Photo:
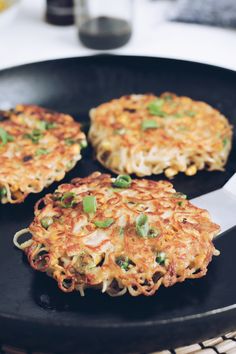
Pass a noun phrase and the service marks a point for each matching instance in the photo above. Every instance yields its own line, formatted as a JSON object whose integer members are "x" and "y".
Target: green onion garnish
{"x": 46, "y": 222}
{"x": 40, "y": 152}
{"x": 161, "y": 258}
{"x": 70, "y": 141}
{"x": 179, "y": 195}
{"x": 35, "y": 136}
{"x": 5, "y": 137}
{"x": 142, "y": 227}
{"x": 89, "y": 204}
{"x": 120, "y": 131}
{"x": 149, "y": 124}
{"x": 121, "y": 231}
{"x": 3, "y": 192}
{"x": 122, "y": 181}
{"x": 68, "y": 200}
{"x": 225, "y": 141}
{"x": 152, "y": 233}
{"x": 179, "y": 115}
{"x": 123, "y": 262}
{"x": 190, "y": 113}
{"x": 104, "y": 223}
{"x": 155, "y": 107}
{"x": 83, "y": 144}
{"x": 43, "y": 125}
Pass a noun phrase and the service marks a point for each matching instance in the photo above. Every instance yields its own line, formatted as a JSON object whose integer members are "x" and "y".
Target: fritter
{"x": 146, "y": 134}
{"x": 118, "y": 235}
{"x": 37, "y": 147}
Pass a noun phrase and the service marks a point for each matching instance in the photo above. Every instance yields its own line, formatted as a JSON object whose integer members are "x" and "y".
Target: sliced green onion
{"x": 149, "y": 124}
{"x": 179, "y": 115}
{"x": 153, "y": 232}
{"x": 83, "y": 144}
{"x": 142, "y": 227}
{"x": 104, "y": 223}
{"x": 43, "y": 125}
{"x": 68, "y": 200}
{"x": 179, "y": 195}
{"x": 225, "y": 141}
{"x": 46, "y": 222}
{"x": 70, "y": 141}
{"x": 155, "y": 108}
{"x": 35, "y": 136}
{"x": 120, "y": 131}
{"x": 40, "y": 152}
{"x": 123, "y": 262}
{"x": 161, "y": 258}
{"x": 180, "y": 203}
{"x": 70, "y": 165}
{"x": 89, "y": 204}
{"x": 122, "y": 181}
{"x": 121, "y": 231}
{"x": 190, "y": 113}
{"x": 3, "y": 192}
{"x": 50, "y": 125}
{"x": 5, "y": 137}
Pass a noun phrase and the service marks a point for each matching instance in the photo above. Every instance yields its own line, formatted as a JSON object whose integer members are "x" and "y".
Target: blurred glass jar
{"x": 104, "y": 24}
{"x": 60, "y": 12}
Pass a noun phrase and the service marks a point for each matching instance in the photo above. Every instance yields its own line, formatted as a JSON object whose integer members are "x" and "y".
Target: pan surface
{"x": 34, "y": 314}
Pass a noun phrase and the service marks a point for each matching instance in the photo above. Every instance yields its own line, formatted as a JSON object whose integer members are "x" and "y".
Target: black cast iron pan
{"x": 34, "y": 314}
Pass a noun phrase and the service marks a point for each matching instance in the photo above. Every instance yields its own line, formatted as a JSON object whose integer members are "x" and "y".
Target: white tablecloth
{"x": 28, "y": 38}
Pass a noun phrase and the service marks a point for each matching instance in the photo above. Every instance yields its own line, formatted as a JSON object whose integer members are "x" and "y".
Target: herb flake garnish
{"x": 123, "y": 262}
{"x": 68, "y": 200}
{"x": 149, "y": 124}
{"x": 104, "y": 223}
{"x": 161, "y": 258}
{"x": 89, "y": 204}
{"x": 122, "y": 181}
{"x": 40, "y": 152}
{"x": 5, "y": 137}
{"x": 35, "y": 136}
{"x": 46, "y": 221}
{"x": 155, "y": 108}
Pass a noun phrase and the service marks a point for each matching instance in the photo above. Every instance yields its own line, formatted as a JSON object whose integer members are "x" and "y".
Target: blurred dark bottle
{"x": 60, "y": 12}
{"x": 104, "y": 24}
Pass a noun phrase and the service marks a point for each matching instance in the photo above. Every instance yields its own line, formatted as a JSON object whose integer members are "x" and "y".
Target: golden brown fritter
{"x": 37, "y": 147}
{"x": 146, "y": 134}
{"x": 118, "y": 235}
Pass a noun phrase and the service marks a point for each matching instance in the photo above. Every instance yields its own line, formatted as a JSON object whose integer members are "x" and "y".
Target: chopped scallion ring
{"x": 142, "y": 227}
{"x": 161, "y": 258}
{"x": 40, "y": 152}
{"x": 46, "y": 221}
{"x": 104, "y": 223}
{"x": 3, "y": 192}
{"x": 89, "y": 204}
{"x": 35, "y": 136}
{"x": 152, "y": 233}
{"x": 155, "y": 108}
{"x": 123, "y": 262}
{"x": 122, "y": 181}
{"x": 149, "y": 124}
{"x": 5, "y": 137}
{"x": 83, "y": 144}
{"x": 70, "y": 141}
{"x": 68, "y": 200}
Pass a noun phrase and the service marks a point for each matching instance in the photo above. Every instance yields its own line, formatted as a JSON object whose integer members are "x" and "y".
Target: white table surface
{"x": 28, "y": 38}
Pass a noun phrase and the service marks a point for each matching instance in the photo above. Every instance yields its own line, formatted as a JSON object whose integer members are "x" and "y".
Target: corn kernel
{"x": 191, "y": 170}
{"x": 171, "y": 172}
